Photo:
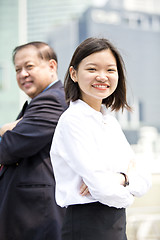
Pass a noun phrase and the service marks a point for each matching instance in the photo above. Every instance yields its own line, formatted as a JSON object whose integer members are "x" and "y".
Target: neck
{"x": 95, "y": 104}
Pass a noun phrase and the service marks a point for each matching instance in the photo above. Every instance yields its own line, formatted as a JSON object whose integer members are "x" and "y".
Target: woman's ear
{"x": 73, "y": 74}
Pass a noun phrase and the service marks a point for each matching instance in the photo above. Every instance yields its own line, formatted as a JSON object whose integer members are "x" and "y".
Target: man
{"x": 27, "y": 203}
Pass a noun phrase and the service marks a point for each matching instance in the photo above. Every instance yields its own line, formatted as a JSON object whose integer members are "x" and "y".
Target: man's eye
{"x": 29, "y": 66}
{"x": 18, "y": 70}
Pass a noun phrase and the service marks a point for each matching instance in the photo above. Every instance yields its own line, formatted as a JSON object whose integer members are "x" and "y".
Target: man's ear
{"x": 53, "y": 65}
{"x": 73, "y": 74}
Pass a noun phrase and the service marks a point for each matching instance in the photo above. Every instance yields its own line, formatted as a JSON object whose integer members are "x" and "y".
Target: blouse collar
{"x": 83, "y": 106}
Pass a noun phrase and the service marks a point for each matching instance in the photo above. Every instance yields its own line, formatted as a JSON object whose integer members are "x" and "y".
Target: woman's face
{"x": 97, "y": 77}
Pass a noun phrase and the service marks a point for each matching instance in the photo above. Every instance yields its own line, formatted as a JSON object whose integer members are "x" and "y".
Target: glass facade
{"x": 9, "y": 39}
{"x": 56, "y": 22}
{"x": 44, "y": 15}
{"x": 19, "y": 25}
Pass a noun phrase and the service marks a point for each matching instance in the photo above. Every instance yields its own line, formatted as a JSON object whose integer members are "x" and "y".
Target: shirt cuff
{"x": 138, "y": 185}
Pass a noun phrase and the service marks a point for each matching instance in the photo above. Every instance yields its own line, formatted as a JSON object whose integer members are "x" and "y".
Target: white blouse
{"x": 90, "y": 146}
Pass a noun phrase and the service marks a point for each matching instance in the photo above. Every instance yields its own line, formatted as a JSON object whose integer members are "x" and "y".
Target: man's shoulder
{"x": 53, "y": 92}
{"x": 53, "y": 97}
{"x": 56, "y": 88}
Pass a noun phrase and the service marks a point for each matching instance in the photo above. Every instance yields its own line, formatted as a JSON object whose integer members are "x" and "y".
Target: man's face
{"x": 33, "y": 73}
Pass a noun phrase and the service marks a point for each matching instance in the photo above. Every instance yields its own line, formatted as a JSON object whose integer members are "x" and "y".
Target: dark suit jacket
{"x": 27, "y": 202}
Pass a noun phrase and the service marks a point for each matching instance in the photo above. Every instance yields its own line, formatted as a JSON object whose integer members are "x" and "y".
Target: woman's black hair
{"x": 117, "y": 100}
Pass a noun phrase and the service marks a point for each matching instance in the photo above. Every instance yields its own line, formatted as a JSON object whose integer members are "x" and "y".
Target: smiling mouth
{"x": 27, "y": 84}
{"x": 101, "y": 86}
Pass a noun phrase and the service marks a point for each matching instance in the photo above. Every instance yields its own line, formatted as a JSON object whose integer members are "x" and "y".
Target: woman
{"x": 94, "y": 166}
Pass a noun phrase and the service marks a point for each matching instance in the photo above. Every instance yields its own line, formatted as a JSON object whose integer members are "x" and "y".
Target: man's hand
{"x": 8, "y": 126}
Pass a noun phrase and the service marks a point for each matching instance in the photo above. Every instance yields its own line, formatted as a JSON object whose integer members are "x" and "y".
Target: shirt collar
{"x": 89, "y": 110}
{"x": 52, "y": 83}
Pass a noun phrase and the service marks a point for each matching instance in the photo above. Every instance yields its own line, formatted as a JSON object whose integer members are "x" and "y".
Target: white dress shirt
{"x": 90, "y": 146}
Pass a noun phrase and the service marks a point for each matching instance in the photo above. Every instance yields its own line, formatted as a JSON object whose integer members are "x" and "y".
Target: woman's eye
{"x": 91, "y": 69}
{"x": 111, "y": 70}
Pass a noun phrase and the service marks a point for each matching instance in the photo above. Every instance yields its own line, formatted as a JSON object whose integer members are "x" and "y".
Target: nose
{"x": 24, "y": 72}
{"x": 102, "y": 77}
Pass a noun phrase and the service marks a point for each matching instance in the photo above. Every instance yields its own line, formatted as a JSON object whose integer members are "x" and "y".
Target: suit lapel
{"x": 23, "y": 110}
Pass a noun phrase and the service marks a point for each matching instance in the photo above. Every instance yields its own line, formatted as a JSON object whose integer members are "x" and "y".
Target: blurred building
{"x": 64, "y": 24}
{"x": 44, "y": 15}
{"x": 9, "y": 28}
{"x": 22, "y": 21}
{"x": 137, "y": 35}
{"x": 150, "y": 6}
{"x": 134, "y": 27}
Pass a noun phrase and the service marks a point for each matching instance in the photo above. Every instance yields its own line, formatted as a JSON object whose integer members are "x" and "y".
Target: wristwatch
{"x": 126, "y": 183}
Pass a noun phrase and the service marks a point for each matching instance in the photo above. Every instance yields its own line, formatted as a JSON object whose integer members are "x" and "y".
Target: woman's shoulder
{"x": 111, "y": 119}
{"x": 72, "y": 112}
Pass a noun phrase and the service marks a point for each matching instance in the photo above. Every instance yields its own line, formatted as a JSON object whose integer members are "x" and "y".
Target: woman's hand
{"x": 131, "y": 167}
{"x": 84, "y": 190}
{"x": 118, "y": 176}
